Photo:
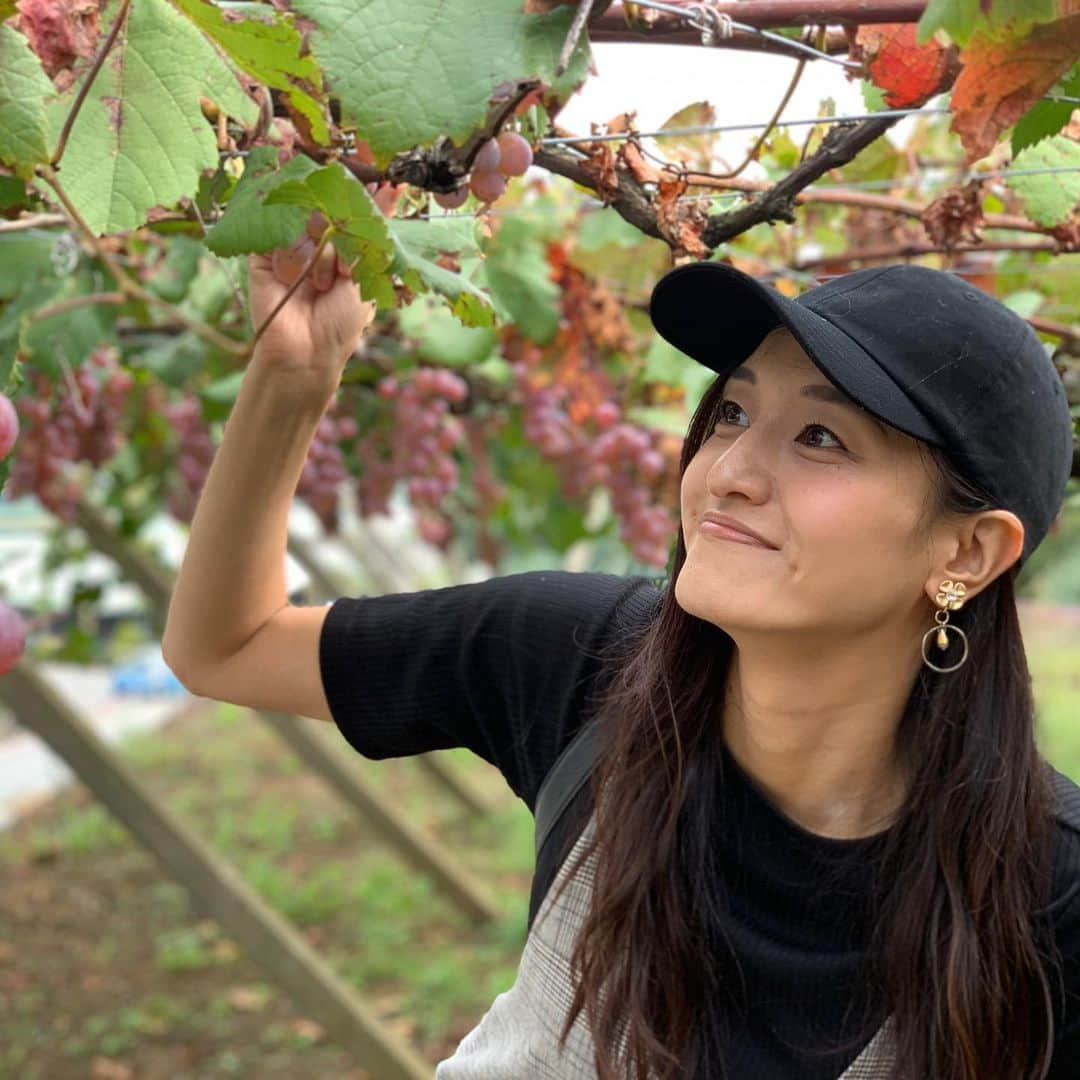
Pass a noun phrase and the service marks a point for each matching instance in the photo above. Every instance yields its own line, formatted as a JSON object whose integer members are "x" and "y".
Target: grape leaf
{"x": 441, "y": 338}
{"x": 961, "y": 19}
{"x": 269, "y": 52}
{"x": 1000, "y": 81}
{"x": 7, "y": 9}
{"x": 23, "y": 87}
{"x": 404, "y": 81}
{"x": 362, "y": 232}
{"x": 910, "y": 74}
{"x": 467, "y": 302}
{"x": 518, "y": 275}
{"x": 248, "y": 225}
{"x": 140, "y": 139}
{"x": 1046, "y": 117}
{"x": 1048, "y": 197}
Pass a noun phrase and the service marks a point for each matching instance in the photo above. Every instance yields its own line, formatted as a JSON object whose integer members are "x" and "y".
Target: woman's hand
{"x": 317, "y": 329}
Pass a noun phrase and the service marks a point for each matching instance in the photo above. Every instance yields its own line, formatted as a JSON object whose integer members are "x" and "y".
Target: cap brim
{"x": 718, "y": 315}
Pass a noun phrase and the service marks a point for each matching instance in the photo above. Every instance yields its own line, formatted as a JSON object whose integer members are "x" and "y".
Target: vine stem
{"x": 129, "y": 287}
{"x": 73, "y": 302}
{"x": 69, "y": 121}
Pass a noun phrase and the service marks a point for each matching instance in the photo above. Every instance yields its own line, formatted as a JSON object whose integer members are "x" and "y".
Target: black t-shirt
{"x": 508, "y": 668}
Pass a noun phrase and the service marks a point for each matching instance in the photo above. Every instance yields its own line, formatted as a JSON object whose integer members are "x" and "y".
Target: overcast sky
{"x": 743, "y": 87}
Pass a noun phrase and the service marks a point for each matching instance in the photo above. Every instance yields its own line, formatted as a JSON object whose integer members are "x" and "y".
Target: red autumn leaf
{"x": 1002, "y": 79}
{"x": 909, "y": 74}
{"x": 59, "y": 31}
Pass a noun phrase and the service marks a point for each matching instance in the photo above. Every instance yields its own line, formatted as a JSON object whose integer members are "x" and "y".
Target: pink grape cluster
{"x": 77, "y": 419}
{"x": 195, "y": 453}
{"x": 508, "y": 154}
{"x": 488, "y": 492}
{"x": 623, "y": 458}
{"x": 415, "y": 445}
{"x": 325, "y": 469}
{"x": 631, "y": 467}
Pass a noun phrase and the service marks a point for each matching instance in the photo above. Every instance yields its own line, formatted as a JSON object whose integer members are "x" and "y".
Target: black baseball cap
{"x": 923, "y": 350}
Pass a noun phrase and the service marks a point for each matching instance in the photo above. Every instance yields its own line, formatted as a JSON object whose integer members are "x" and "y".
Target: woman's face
{"x": 836, "y": 492}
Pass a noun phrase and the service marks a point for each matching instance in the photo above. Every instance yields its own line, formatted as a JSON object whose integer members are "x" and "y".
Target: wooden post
{"x": 448, "y": 878}
{"x": 269, "y": 939}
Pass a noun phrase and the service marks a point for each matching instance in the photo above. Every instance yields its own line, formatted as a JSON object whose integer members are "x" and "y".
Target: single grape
{"x": 453, "y": 199}
{"x": 288, "y": 262}
{"x": 316, "y": 224}
{"x": 488, "y": 157}
{"x": 9, "y": 425}
{"x": 487, "y": 186}
{"x": 516, "y": 153}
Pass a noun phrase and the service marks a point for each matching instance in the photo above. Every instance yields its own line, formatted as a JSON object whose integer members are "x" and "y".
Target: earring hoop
{"x": 950, "y": 597}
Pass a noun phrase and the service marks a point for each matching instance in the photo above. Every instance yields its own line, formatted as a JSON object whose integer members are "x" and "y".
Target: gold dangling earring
{"x": 950, "y": 597}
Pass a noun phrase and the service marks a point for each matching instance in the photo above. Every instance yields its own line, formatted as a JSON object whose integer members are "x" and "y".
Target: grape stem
{"x": 69, "y": 121}
{"x": 326, "y": 234}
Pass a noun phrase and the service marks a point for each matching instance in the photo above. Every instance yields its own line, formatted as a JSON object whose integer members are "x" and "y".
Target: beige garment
{"x": 518, "y": 1036}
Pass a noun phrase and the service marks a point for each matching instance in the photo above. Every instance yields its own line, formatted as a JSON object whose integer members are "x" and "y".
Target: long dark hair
{"x": 967, "y": 860}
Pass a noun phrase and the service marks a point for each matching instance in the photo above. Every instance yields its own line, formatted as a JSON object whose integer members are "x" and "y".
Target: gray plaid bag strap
{"x": 876, "y": 1059}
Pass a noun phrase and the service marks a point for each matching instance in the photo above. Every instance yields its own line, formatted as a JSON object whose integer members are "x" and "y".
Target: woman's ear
{"x": 982, "y": 547}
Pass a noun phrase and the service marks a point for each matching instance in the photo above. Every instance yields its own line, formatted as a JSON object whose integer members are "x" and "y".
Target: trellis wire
{"x": 708, "y": 129}
{"x": 709, "y": 31}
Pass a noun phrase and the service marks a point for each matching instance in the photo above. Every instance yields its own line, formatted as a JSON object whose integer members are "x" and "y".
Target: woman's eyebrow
{"x": 818, "y": 391}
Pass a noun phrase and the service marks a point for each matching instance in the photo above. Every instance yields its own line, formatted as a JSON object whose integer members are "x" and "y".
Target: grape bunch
{"x": 624, "y": 458}
{"x": 195, "y": 453}
{"x": 415, "y": 444}
{"x": 631, "y": 467}
{"x": 508, "y": 154}
{"x": 77, "y": 419}
{"x": 480, "y": 432}
{"x": 325, "y": 469}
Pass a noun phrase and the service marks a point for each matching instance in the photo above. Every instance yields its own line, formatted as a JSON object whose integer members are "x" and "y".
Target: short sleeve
{"x": 504, "y": 667}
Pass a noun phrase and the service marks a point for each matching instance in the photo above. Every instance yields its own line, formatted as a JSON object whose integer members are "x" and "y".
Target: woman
{"x": 824, "y": 843}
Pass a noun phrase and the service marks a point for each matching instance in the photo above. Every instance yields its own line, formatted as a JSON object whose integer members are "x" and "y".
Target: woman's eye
{"x": 722, "y": 412}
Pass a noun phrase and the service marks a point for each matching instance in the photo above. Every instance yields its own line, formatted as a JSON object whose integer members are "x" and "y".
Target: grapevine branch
{"x": 628, "y": 196}
{"x": 128, "y": 285}
{"x": 841, "y": 144}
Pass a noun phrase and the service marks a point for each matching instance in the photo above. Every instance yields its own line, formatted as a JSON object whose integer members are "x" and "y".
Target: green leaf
{"x": 1025, "y": 302}
{"x": 417, "y": 243}
{"x": 362, "y": 231}
{"x": 174, "y": 273}
{"x": 1048, "y": 197}
{"x": 23, "y": 257}
{"x": 673, "y": 419}
{"x": 960, "y": 19}
{"x": 250, "y": 225}
{"x": 140, "y": 139}
{"x": 23, "y": 88}
{"x": 224, "y": 391}
{"x": 440, "y": 337}
{"x": 1046, "y": 117}
{"x": 873, "y": 96}
{"x": 405, "y": 80}
{"x": 598, "y": 228}
{"x": 517, "y": 273}
{"x": 71, "y": 335}
{"x": 267, "y": 47}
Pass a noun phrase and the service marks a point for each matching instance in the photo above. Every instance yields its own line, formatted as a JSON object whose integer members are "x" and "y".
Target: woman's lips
{"x": 723, "y": 532}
